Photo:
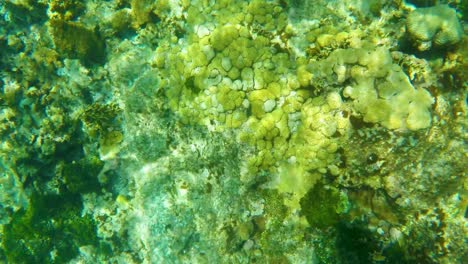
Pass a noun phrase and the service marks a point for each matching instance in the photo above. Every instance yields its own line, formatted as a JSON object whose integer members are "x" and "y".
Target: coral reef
{"x": 135, "y": 131}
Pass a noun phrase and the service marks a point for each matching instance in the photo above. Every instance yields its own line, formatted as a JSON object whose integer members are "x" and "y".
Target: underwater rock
{"x": 135, "y": 131}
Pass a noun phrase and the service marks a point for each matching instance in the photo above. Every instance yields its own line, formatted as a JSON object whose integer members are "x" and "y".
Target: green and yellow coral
{"x": 229, "y": 76}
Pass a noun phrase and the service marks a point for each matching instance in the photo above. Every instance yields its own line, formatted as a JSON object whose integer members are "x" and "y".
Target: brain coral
{"x": 437, "y": 25}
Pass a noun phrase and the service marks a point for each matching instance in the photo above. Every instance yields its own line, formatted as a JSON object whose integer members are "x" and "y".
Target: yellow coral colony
{"x": 228, "y": 76}
{"x": 383, "y": 94}
{"x": 437, "y": 25}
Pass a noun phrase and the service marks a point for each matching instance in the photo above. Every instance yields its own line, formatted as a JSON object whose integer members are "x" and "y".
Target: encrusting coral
{"x": 434, "y": 26}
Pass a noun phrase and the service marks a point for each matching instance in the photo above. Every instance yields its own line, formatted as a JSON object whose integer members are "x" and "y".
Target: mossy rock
{"x": 141, "y": 10}
{"x": 25, "y": 13}
{"x": 52, "y": 223}
{"x": 68, "y": 9}
{"x": 321, "y": 206}
{"x": 76, "y": 41}
{"x": 82, "y": 176}
{"x": 121, "y": 23}
{"x": 355, "y": 243}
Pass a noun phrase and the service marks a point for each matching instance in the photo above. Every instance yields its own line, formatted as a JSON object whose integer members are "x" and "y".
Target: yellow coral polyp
{"x": 223, "y": 36}
{"x": 303, "y": 76}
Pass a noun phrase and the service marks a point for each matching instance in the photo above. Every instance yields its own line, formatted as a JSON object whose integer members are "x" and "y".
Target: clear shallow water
{"x": 231, "y": 132}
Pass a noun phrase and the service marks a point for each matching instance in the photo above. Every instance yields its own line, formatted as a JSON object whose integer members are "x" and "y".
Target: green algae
{"x": 50, "y": 223}
{"x": 464, "y": 10}
{"x": 322, "y": 206}
{"x": 81, "y": 176}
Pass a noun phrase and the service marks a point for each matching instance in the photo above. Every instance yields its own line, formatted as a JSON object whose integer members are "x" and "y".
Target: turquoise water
{"x": 178, "y": 131}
